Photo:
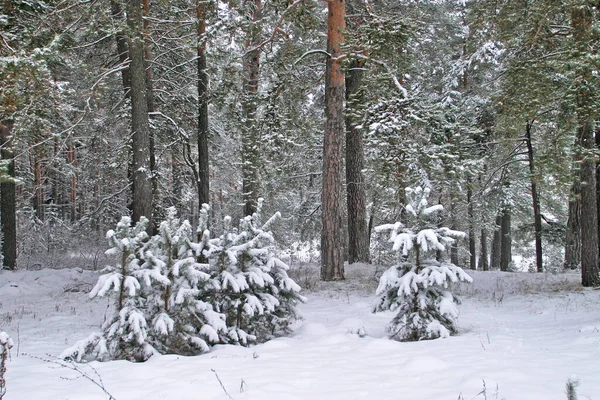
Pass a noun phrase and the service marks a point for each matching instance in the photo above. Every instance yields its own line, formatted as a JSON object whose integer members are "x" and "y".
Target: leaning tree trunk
{"x": 250, "y": 136}
{"x": 142, "y": 182}
{"x": 332, "y": 264}
{"x": 537, "y": 215}
{"x": 8, "y": 211}
{"x": 505, "y": 240}
{"x": 358, "y": 240}
{"x": 203, "y": 166}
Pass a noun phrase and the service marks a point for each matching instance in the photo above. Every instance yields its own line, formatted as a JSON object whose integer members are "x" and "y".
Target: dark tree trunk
{"x": 484, "y": 263}
{"x": 581, "y": 18}
{"x": 203, "y": 165}
{"x": 472, "y": 238}
{"x": 250, "y": 134}
{"x": 8, "y": 211}
{"x": 537, "y": 216}
{"x": 122, "y": 47}
{"x": 332, "y": 264}
{"x": 454, "y": 226}
{"x": 573, "y": 232}
{"x": 358, "y": 240}
{"x": 505, "y": 240}
{"x": 142, "y": 182}
{"x": 497, "y": 243}
{"x": 589, "y": 225}
{"x": 151, "y": 108}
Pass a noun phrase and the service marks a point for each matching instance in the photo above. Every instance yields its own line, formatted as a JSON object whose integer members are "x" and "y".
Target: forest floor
{"x": 521, "y": 336}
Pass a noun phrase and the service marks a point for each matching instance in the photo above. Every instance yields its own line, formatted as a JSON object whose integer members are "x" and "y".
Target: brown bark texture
{"x": 8, "y": 212}
{"x": 203, "y": 130}
{"x": 505, "y": 240}
{"x": 250, "y": 135}
{"x": 496, "y": 244}
{"x": 358, "y": 239}
{"x": 581, "y": 19}
{"x": 332, "y": 263}
{"x": 537, "y": 215}
{"x": 142, "y": 182}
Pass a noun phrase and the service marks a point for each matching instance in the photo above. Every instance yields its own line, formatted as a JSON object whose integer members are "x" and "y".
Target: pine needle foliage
{"x": 417, "y": 287}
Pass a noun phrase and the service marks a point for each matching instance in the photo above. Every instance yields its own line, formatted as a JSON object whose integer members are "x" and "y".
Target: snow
{"x": 521, "y": 336}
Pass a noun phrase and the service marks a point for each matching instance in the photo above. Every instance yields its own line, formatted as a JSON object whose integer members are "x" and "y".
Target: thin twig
{"x": 221, "y": 383}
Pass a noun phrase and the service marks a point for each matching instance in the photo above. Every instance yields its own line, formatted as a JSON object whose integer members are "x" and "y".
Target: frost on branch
{"x": 419, "y": 290}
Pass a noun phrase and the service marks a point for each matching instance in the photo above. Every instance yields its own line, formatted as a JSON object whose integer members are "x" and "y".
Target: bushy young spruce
{"x": 178, "y": 295}
{"x": 417, "y": 287}
{"x": 251, "y": 286}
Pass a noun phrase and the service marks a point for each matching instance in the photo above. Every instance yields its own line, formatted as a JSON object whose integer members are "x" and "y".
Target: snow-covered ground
{"x": 521, "y": 337}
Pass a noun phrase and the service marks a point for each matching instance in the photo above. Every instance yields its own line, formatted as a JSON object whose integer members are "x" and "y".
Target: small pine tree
{"x": 251, "y": 286}
{"x": 6, "y": 344}
{"x": 124, "y": 335}
{"x": 176, "y": 295}
{"x": 417, "y": 287}
{"x": 174, "y": 285}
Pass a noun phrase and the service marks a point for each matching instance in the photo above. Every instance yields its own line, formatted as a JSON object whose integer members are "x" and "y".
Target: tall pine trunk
{"x": 505, "y": 240}
{"x": 581, "y": 18}
{"x": 472, "y": 238}
{"x": 358, "y": 240}
{"x": 537, "y": 216}
{"x": 484, "y": 263}
{"x": 8, "y": 211}
{"x": 203, "y": 178}
{"x": 250, "y": 135}
{"x": 332, "y": 264}
{"x": 142, "y": 182}
{"x": 496, "y": 243}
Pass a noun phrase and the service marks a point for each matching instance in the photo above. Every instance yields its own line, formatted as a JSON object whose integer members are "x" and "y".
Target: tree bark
{"x": 537, "y": 216}
{"x": 250, "y": 135}
{"x": 358, "y": 240}
{"x": 505, "y": 240}
{"x": 472, "y": 238}
{"x": 122, "y": 47}
{"x": 497, "y": 243}
{"x": 581, "y": 18}
{"x": 332, "y": 265}
{"x": 484, "y": 263}
{"x": 8, "y": 211}
{"x": 142, "y": 180}
{"x": 203, "y": 130}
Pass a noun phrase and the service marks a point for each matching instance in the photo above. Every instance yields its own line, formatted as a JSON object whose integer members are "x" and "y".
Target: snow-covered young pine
{"x": 417, "y": 287}
{"x": 251, "y": 286}
{"x": 124, "y": 334}
{"x": 176, "y": 295}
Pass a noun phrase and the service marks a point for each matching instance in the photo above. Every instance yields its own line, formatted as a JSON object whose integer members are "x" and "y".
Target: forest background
{"x": 327, "y": 110}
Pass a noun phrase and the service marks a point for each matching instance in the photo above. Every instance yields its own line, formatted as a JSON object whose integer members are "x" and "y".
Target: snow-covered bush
{"x": 176, "y": 294}
{"x": 417, "y": 287}
{"x": 6, "y": 344}
{"x": 251, "y": 286}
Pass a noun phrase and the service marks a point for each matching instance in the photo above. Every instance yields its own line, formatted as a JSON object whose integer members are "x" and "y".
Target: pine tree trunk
{"x": 537, "y": 216}
{"x": 484, "y": 263}
{"x": 142, "y": 182}
{"x": 8, "y": 211}
{"x": 122, "y": 47}
{"x": 472, "y": 238}
{"x": 581, "y": 18}
{"x": 454, "y": 226}
{"x": 589, "y": 225}
{"x": 250, "y": 134}
{"x": 332, "y": 265}
{"x": 497, "y": 243}
{"x": 203, "y": 130}
{"x": 505, "y": 240}
{"x": 73, "y": 183}
{"x": 358, "y": 240}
